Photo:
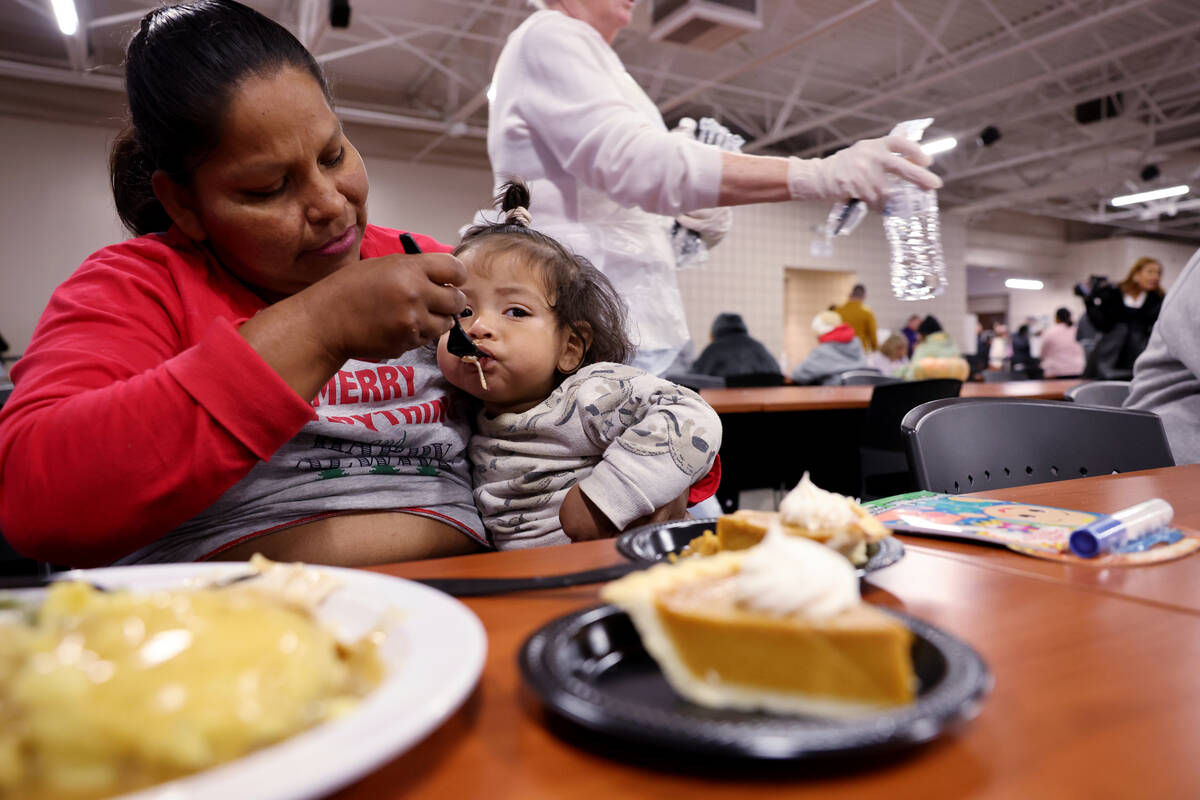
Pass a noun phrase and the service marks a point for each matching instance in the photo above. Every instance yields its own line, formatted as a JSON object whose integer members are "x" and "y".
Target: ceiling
{"x": 411, "y": 76}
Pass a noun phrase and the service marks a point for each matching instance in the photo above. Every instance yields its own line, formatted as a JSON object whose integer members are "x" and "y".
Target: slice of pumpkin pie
{"x": 832, "y": 519}
{"x": 780, "y": 627}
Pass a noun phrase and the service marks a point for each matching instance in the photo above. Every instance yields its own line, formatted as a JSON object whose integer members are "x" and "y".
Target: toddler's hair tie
{"x": 519, "y": 216}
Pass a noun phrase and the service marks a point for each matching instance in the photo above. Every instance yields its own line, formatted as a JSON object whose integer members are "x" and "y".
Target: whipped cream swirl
{"x": 813, "y": 508}
{"x": 791, "y": 574}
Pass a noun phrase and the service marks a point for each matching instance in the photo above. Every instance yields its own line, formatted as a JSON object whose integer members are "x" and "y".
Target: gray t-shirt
{"x": 1166, "y": 376}
{"x": 389, "y": 436}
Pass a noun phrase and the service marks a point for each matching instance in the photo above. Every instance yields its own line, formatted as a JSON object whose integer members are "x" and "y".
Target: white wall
{"x": 57, "y": 208}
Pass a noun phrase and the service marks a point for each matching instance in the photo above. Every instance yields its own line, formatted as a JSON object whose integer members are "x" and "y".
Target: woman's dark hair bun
{"x": 130, "y": 172}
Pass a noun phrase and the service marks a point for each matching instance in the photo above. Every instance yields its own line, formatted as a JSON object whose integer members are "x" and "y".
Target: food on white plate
{"x": 104, "y": 692}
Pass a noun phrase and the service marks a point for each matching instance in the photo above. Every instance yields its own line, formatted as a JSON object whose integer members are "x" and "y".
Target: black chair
{"x": 754, "y": 379}
{"x": 973, "y": 444}
{"x": 883, "y": 465}
{"x": 696, "y": 381}
{"x": 1100, "y": 393}
{"x": 862, "y": 377}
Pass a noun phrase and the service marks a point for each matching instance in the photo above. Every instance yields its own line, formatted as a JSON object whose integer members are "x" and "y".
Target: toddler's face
{"x": 509, "y": 318}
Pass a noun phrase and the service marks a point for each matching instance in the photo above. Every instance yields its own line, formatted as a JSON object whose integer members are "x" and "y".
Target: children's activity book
{"x": 1040, "y": 531}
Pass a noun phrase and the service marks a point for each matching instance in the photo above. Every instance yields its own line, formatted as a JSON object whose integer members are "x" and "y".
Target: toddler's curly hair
{"x": 581, "y": 295}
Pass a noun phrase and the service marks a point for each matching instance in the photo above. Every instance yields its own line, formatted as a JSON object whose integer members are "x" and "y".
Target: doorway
{"x": 806, "y": 293}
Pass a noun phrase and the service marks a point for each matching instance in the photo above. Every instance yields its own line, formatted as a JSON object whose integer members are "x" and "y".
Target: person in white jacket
{"x": 608, "y": 177}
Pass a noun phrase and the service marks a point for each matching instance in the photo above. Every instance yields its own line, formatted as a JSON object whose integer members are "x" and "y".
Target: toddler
{"x": 570, "y": 443}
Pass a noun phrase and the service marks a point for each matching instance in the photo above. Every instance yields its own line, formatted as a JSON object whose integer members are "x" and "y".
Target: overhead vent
{"x": 1100, "y": 109}
{"x": 707, "y": 24}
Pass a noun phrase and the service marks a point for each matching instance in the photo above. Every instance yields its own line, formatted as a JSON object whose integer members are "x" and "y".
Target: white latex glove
{"x": 711, "y": 223}
{"x": 861, "y": 171}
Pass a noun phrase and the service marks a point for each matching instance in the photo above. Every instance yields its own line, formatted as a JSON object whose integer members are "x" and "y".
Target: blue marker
{"x": 1111, "y": 531}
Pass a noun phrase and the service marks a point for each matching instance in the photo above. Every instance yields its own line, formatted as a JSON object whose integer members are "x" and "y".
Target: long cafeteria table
{"x": 1095, "y": 690}
{"x": 821, "y": 398}
{"x": 772, "y": 435}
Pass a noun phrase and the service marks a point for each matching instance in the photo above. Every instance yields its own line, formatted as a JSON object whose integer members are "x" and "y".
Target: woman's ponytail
{"x": 130, "y": 169}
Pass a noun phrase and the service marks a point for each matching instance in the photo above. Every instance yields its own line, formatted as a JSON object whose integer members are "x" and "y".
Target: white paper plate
{"x": 433, "y": 655}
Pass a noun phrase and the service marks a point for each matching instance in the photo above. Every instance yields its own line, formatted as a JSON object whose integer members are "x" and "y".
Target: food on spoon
{"x": 779, "y": 627}
{"x": 104, "y": 692}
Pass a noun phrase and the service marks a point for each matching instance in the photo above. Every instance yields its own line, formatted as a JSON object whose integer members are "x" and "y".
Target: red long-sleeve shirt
{"x": 137, "y": 404}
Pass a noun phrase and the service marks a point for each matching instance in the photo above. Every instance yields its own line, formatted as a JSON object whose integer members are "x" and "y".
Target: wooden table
{"x": 821, "y": 398}
{"x": 1096, "y": 693}
{"x": 1173, "y": 584}
{"x": 773, "y": 435}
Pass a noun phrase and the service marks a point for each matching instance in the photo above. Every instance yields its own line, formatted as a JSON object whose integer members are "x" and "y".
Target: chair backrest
{"x": 1100, "y": 393}
{"x": 696, "y": 381}
{"x": 862, "y": 377}
{"x": 754, "y": 379}
{"x": 974, "y": 444}
{"x": 891, "y": 401}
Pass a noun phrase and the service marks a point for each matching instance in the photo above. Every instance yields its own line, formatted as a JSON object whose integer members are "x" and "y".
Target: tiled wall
{"x": 745, "y": 273}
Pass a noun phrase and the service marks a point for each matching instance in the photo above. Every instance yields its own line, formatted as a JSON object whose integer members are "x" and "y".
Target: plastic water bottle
{"x": 914, "y": 234}
{"x": 690, "y": 249}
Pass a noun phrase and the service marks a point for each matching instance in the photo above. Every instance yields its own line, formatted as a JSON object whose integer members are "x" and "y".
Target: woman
{"x": 246, "y": 375}
{"x": 936, "y": 355}
{"x": 838, "y": 349}
{"x": 1062, "y": 354}
{"x": 1167, "y": 380}
{"x": 1124, "y": 314}
{"x": 604, "y": 171}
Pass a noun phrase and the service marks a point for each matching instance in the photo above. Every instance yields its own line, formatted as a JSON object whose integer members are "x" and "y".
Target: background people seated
{"x": 936, "y": 355}
{"x": 892, "y": 356}
{"x": 1023, "y": 363}
{"x": 910, "y": 332}
{"x": 733, "y": 351}
{"x": 837, "y": 350}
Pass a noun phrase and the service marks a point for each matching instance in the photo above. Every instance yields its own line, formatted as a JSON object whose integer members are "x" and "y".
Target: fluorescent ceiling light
{"x": 65, "y": 16}
{"x": 940, "y": 145}
{"x": 1023, "y": 283}
{"x": 1145, "y": 197}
